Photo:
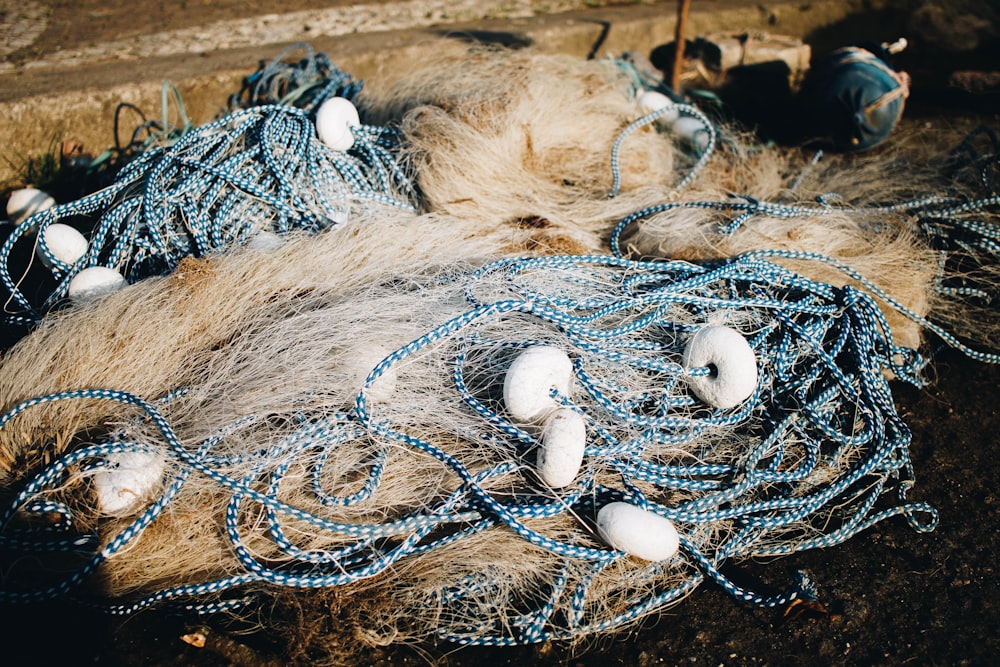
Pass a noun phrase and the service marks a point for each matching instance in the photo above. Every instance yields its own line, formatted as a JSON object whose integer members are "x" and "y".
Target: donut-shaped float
{"x": 334, "y": 120}
{"x": 530, "y": 379}
{"x": 734, "y": 366}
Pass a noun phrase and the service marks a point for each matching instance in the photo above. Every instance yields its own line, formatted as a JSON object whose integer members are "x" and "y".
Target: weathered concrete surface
{"x": 74, "y": 98}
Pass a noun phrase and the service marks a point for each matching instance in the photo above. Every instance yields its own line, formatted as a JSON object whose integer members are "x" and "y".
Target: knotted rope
{"x": 304, "y": 84}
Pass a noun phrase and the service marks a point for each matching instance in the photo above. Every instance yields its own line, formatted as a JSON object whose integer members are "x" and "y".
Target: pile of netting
{"x": 304, "y": 84}
{"x": 428, "y": 471}
{"x": 931, "y": 261}
{"x": 436, "y": 396}
{"x": 250, "y": 177}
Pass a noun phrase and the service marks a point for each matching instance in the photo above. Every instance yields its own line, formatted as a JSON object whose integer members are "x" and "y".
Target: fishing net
{"x": 336, "y": 412}
{"x": 350, "y": 465}
{"x": 255, "y": 173}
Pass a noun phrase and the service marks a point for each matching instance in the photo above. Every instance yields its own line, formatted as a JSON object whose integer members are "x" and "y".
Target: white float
{"x": 93, "y": 282}
{"x": 334, "y": 120}
{"x": 692, "y": 130}
{"x": 27, "y": 201}
{"x": 530, "y": 380}
{"x": 560, "y": 454}
{"x": 265, "y": 241}
{"x": 130, "y": 480}
{"x": 651, "y": 100}
{"x": 64, "y": 242}
{"x": 340, "y": 216}
{"x": 727, "y": 352}
{"x": 637, "y": 532}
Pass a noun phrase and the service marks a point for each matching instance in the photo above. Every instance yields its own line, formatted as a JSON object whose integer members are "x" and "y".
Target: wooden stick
{"x": 679, "y": 42}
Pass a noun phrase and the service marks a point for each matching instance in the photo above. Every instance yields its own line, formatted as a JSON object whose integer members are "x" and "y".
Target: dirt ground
{"x": 890, "y": 596}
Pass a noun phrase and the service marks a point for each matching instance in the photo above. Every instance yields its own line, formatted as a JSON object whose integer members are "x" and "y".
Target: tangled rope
{"x": 704, "y": 152}
{"x": 305, "y": 84}
{"x": 958, "y": 229}
{"x": 815, "y": 454}
{"x": 149, "y": 133}
{"x": 258, "y": 171}
{"x": 240, "y": 179}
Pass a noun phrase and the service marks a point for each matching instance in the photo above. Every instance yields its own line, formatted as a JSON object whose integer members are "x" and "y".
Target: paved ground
{"x": 68, "y": 32}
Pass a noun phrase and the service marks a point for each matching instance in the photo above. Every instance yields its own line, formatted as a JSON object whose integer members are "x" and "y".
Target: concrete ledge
{"x": 41, "y": 105}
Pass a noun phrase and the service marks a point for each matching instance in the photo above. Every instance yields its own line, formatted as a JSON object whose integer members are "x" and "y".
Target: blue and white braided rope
{"x": 261, "y": 169}
{"x": 822, "y": 406}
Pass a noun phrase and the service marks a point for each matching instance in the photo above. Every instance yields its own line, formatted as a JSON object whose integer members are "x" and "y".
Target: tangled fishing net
{"x": 264, "y": 170}
{"x": 930, "y": 260}
{"x": 250, "y": 177}
{"x": 420, "y": 466}
{"x": 437, "y": 398}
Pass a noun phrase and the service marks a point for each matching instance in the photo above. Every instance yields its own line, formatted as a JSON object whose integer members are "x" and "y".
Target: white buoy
{"x": 95, "y": 281}
{"x": 637, "y": 532}
{"x": 651, "y": 100}
{"x": 334, "y": 120}
{"x": 692, "y": 130}
{"x": 733, "y": 363}
{"x": 561, "y": 453}
{"x": 131, "y": 479}
{"x": 530, "y": 379}
{"x": 265, "y": 240}
{"x": 340, "y": 217}
{"x": 64, "y": 242}
{"x": 27, "y": 201}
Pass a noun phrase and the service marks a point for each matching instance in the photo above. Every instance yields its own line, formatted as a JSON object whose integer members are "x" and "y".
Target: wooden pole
{"x": 679, "y": 42}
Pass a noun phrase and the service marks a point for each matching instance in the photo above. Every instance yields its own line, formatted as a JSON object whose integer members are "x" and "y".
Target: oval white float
{"x": 534, "y": 373}
{"x": 734, "y": 378}
{"x": 334, "y": 120}
{"x": 130, "y": 480}
{"x": 651, "y": 100}
{"x": 692, "y": 130}
{"x": 95, "y": 281}
{"x": 25, "y": 202}
{"x": 64, "y": 242}
{"x": 637, "y": 532}
{"x": 561, "y": 453}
